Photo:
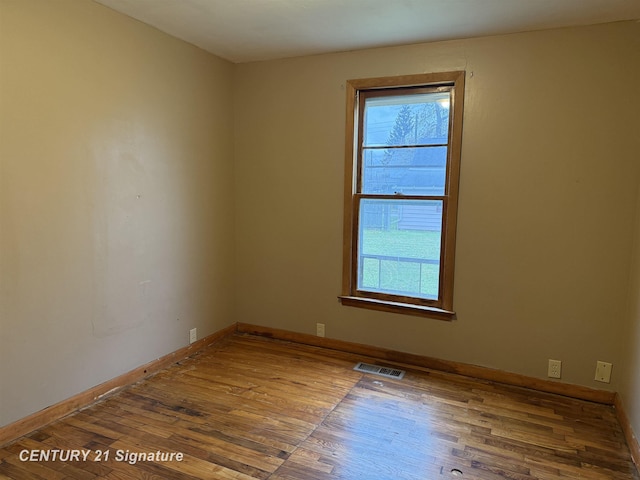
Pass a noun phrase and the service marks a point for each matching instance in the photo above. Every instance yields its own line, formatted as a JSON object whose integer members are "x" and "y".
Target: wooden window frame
{"x": 442, "y": 308}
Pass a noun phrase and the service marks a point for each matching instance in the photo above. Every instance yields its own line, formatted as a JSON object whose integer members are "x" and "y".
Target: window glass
{"x": 401, "y": 120}
{"x": 409, "y": 171}
{"x": 399, "y": 247}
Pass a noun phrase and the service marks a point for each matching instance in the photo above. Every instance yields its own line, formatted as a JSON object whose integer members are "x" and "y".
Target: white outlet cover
{"x": 603, "y": 372}
{"x": 555, "y": 369}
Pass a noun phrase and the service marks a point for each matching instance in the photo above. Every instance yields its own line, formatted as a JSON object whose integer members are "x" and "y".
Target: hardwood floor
{"x": 251, "y": 407}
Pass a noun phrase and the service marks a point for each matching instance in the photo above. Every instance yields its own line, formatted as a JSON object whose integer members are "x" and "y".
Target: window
{"x": 401, "y": 192}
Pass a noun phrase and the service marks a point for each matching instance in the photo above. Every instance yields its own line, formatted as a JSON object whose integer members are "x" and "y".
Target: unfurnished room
{"x": 319, "y": 239}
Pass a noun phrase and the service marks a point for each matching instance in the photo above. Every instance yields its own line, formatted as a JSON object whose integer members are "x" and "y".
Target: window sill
{"x": 395, "y": 307}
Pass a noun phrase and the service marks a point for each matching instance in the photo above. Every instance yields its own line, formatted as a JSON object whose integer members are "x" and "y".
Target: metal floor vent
{"x": 376, "y": 370}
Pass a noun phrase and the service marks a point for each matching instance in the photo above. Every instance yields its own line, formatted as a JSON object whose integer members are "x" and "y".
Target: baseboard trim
{"x": 468, "y": 370}
{"x": 83, "y": 399}
{"x": 629, "y": 435}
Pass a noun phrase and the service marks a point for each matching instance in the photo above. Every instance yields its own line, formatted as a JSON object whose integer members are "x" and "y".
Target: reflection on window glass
{"x": 410, "y": 171}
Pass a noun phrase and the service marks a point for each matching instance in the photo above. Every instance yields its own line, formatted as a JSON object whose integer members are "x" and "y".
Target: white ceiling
{"x": 250, "y": 30}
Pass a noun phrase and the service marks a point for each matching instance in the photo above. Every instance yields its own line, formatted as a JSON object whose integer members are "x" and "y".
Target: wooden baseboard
{"x": 468, "y": 370}
{"x": 48, "y": 415}
{"x": 629, "y": 435}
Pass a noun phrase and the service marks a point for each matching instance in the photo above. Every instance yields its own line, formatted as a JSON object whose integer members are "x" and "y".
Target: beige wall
{"x": 116, "y": 211}
{"x": 548, "y": 187}
{"x": 630, "y": 371}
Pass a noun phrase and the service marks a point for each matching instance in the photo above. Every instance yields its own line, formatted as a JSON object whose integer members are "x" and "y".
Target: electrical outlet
{"x": 555, "y": 369}
{"x": 320, "y": 329}
{"x": 193, "y": 335}
{"x": 603, "y": 372}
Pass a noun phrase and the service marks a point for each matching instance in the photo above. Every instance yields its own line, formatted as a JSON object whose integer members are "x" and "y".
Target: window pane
{"x": 399, "y": 247}
{"x": 410, "y": 171}
{"x": 420, "y": 119}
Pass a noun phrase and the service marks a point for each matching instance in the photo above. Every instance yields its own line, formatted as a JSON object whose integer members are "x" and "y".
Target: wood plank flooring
{"x": 254, "y": 408}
